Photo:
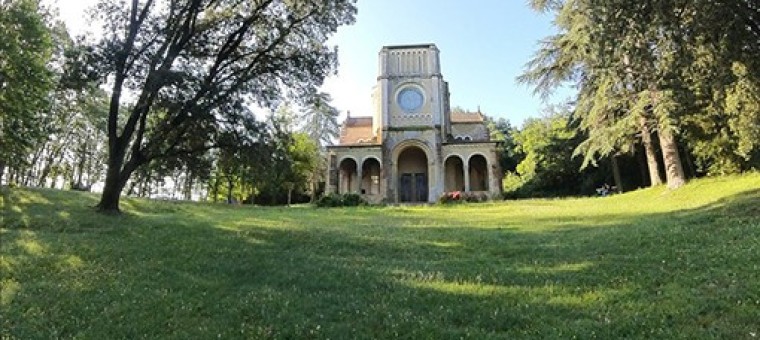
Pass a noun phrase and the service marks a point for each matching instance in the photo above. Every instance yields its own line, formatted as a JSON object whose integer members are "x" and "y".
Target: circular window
{"x": 410, "y": 99}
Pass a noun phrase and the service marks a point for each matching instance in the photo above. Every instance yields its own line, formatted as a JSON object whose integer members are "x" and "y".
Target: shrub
{"x": 459, "y": 197}
{"x": 329, "y": 200}
{"x": 353, "y": 200}
{"x": 476, "y": 197}
{"x": 450, "y": 197}
{"x": 338, "y": 200}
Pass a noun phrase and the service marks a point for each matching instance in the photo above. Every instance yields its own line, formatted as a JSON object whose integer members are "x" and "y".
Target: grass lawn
{"x": 647, "y": 264}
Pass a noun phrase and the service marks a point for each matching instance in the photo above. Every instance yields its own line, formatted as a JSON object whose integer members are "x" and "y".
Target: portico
{"x": 413, "y": 148}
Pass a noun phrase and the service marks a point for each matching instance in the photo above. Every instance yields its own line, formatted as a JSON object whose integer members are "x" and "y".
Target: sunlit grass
{"x": 648, "y": 264}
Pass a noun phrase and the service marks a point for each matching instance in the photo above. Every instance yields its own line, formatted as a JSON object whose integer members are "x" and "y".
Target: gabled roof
{"x": 467, "y": 117}
{"x": 358, "y": 121}
{"x": 356, "y": 130}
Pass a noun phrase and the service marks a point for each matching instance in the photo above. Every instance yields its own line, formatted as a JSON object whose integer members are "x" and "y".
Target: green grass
{"x": 647, "y": 264}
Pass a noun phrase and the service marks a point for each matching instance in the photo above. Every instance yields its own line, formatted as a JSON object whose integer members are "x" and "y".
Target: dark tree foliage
{"x": 547, "y": 167}
{"x": 320, "y": 119}
{"x": 192, "y": 67}
{"x": 658, "y": 73}
{"x": 26, "y": 49}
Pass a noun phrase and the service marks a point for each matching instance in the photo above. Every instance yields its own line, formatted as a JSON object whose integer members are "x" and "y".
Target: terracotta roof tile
{"x": 357, "y": 130}
{"x": 358, "y": 121}
{"x": 466, "y": 117}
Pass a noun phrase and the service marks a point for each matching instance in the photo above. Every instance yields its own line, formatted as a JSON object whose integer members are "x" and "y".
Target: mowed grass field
{"x": 647, "y": 264}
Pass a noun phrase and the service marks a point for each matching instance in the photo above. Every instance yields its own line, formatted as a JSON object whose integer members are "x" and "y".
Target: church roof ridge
{"x": 467, "y": 116}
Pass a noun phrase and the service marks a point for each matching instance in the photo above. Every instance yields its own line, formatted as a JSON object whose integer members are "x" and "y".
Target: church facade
{"x": 413, "y": 148}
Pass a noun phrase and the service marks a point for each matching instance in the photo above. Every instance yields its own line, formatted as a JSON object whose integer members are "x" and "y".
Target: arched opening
{"x": 478, "y": 173}
{"x": 454, "y": 174}
{"x": 412, "y": 175}
{"x": 370, "y": 177}
{"x": 348, "y": 181}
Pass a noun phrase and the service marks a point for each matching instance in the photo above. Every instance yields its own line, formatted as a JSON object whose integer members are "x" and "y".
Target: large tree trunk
{"x": 109, "y": 200}
{"x": 616, "y": 174}
{"x": 652, "y": 164}
{"x": 641, "y": 159}
{"x": 690, "y": 163}
{"x": 673, "y": 168}
{"x": 116, "y": 178}
{"x": 669, "y": 147}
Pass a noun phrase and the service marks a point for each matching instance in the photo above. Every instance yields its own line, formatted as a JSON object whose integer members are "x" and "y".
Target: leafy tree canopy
{"x": 25, "y": 51}
{"x": 193, "y": 67}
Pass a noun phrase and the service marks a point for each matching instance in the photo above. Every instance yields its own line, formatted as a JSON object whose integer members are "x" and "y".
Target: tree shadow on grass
{"x": 683, "y": 274}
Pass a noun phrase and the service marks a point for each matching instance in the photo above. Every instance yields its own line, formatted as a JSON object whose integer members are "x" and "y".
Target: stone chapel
{"x": 413, "y": 148}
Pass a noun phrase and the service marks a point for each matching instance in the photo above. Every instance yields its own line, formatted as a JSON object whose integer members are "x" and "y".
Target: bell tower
{"x": 410, "y": 90}
{"x": 412, "y": 118}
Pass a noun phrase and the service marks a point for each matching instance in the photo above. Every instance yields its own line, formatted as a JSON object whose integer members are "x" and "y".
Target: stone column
{"x": 359, "y": 177}
{"x": 466, "y": 165}
{"x": 341, "y": 181}
{"x": 433, "y": 179}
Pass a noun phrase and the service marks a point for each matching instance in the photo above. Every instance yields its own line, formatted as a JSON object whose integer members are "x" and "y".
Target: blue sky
{"x": 484, "y": 45}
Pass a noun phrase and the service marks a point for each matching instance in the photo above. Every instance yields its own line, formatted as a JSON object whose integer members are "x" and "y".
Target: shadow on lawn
{"x": 686, "y": 274}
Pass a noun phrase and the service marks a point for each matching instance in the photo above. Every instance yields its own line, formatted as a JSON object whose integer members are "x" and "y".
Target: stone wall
{"x": 470, "y": 131}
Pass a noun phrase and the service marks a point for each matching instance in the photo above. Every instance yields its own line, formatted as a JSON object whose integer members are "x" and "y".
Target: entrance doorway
{"x": 412, "y": 175}
{"x": 413, "y": 187}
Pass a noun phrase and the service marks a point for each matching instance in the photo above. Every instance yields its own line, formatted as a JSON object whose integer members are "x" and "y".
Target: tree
{"x": 721, "y": 81}
{"x": 548, "y": 167}
{"x": 305, "y": 157}
{"x": 194, "y": 65}
{"x": 320, "y": 119}
{"x": 244, "y": 163}
{"x": 25, "y": 50}
{"x": 628, "y": 59}
{"x": 72, "y": 128}
{"x": 321, "y": 125}
{"x": 292, "y": 156}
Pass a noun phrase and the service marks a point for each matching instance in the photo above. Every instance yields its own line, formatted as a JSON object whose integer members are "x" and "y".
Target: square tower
{"x": 410, "y": 88}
